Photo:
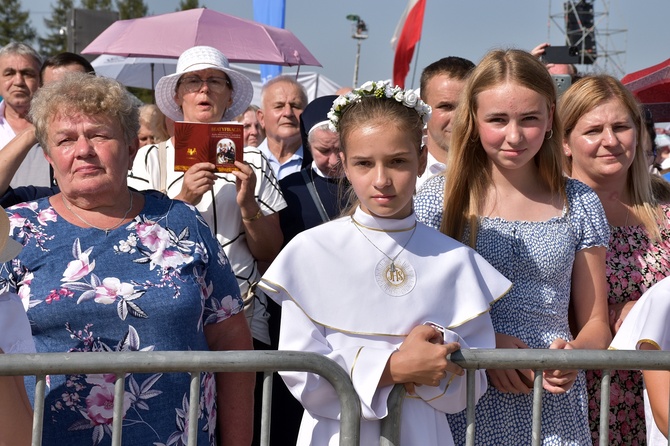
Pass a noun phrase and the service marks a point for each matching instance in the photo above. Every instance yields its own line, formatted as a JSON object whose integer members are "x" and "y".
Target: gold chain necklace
{"x": 106, "y": 230}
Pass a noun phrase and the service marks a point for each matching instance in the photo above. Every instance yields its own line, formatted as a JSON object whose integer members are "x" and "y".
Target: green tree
{"x": 15, "y": 23}
{"x": 56, "y": 39}
{"x": 188, "y": 4}
{"x": 131, "y": 9}
{"x": 99, "y": 5}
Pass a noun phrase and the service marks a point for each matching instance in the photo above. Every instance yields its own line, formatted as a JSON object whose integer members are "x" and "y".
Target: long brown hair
{"x": 468, "y": 169}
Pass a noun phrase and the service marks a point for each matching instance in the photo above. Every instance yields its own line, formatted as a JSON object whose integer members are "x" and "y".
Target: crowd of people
{"x": 383, "y": 228}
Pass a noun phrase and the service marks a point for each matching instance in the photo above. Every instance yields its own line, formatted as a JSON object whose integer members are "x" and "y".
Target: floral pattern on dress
{"x": 89, "y": 291}
{"x": 97, "y": 407}
{"x": 27, "y": 229}
{"x": 634, "y": 264}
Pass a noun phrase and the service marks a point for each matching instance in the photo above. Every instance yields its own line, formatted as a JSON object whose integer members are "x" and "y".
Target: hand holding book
{"x": 219, "y": 143}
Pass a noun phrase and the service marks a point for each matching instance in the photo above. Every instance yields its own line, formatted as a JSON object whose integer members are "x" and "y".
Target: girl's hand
{"x": 510, "y": 380}
{"x": 617, "y": 314}
{"x": 422, "y": 359}
{"x": 559, "y": 381}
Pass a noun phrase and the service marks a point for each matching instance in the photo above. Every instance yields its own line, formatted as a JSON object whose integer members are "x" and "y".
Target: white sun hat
{"x": 196, "y": 59}
{"x": 9, "y": 248}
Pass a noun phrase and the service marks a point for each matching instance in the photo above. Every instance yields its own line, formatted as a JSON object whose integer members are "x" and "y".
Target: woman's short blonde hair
{"x": 84, "y": 93}
{"x": 153, "y": 118}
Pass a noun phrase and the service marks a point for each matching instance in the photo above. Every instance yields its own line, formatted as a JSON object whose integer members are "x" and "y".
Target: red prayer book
{"x": 219, "y": 143}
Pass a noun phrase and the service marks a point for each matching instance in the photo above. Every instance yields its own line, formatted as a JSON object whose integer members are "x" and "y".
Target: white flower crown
{"x": 379, "y": 89}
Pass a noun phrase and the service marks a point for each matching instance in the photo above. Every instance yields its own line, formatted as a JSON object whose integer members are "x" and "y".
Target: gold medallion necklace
{"x": 394, "y": 277}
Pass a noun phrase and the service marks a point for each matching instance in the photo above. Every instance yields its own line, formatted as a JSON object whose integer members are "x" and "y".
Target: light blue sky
{"x": 466, "y": 28}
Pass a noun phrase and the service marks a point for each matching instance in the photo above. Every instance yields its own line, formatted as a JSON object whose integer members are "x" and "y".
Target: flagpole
{"x": 416, "y": 60}
{"x": 358, "y": 57}
{"x": 359, "y": 32}
{"x": 153, "y": 86}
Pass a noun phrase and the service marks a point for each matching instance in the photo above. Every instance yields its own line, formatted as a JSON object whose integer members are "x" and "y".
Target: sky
{"x": 632, "y": 32}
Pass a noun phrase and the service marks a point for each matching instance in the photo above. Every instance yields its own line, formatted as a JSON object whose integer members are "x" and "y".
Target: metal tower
{"x": 589, "y": 31}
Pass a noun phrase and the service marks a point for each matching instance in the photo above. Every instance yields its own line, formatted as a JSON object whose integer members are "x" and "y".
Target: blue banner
{"x": 270, "y": 12}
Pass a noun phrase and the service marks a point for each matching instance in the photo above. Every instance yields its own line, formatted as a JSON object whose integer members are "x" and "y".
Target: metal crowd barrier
{"x": 537, "y": 360}
{"x": 42, "y": 364}
{"x": 193, "y": 362}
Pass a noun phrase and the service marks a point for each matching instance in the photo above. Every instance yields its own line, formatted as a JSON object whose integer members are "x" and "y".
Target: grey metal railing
{"x": 536, "y": 360}
{"x": 193, "y": 362}
{"x": 40, "y": 365}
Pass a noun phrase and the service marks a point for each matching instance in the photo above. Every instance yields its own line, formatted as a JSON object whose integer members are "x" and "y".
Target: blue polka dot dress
{"x": 538, "y": 258}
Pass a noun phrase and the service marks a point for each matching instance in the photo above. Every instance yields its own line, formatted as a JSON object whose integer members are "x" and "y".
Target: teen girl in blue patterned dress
{"x": 505, "y": 194}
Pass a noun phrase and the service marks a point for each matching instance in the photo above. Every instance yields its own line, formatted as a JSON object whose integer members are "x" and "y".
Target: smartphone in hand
{"x": 561, "y": 54}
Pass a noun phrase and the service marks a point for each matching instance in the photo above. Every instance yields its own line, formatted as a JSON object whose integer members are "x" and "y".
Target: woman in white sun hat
{"x": 240, "y": 207}
{"x": 195, "y": 64}
{"x": 15, "y": 337}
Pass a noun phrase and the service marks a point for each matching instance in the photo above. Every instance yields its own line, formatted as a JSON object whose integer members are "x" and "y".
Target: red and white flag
{"x": 405, "y": 38}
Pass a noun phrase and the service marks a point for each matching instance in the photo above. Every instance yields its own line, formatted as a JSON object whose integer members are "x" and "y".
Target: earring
{"x": 551, "y": 133}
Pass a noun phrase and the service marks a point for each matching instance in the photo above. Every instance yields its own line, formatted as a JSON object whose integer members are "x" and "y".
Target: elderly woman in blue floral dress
{"x": 106, "y": 268}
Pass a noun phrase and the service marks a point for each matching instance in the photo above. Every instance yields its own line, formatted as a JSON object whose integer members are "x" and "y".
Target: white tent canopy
{"x": 316, "y": 84}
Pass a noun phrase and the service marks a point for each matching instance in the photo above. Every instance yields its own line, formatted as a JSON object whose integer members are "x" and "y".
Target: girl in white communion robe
{"x": 646, "y": 327}
{"x": 381, "y": 294}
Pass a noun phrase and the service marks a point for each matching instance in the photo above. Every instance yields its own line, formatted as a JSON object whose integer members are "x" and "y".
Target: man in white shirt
{"x": 14, "y": 153}
{"x": 282, "y": 101}
{"x": 441, "y": 86}
{"x": 19, "y": 80}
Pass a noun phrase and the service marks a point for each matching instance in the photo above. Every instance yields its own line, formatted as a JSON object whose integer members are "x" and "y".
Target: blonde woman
{"x": 603, "y": 147}
{"x": 152, "y": 125}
